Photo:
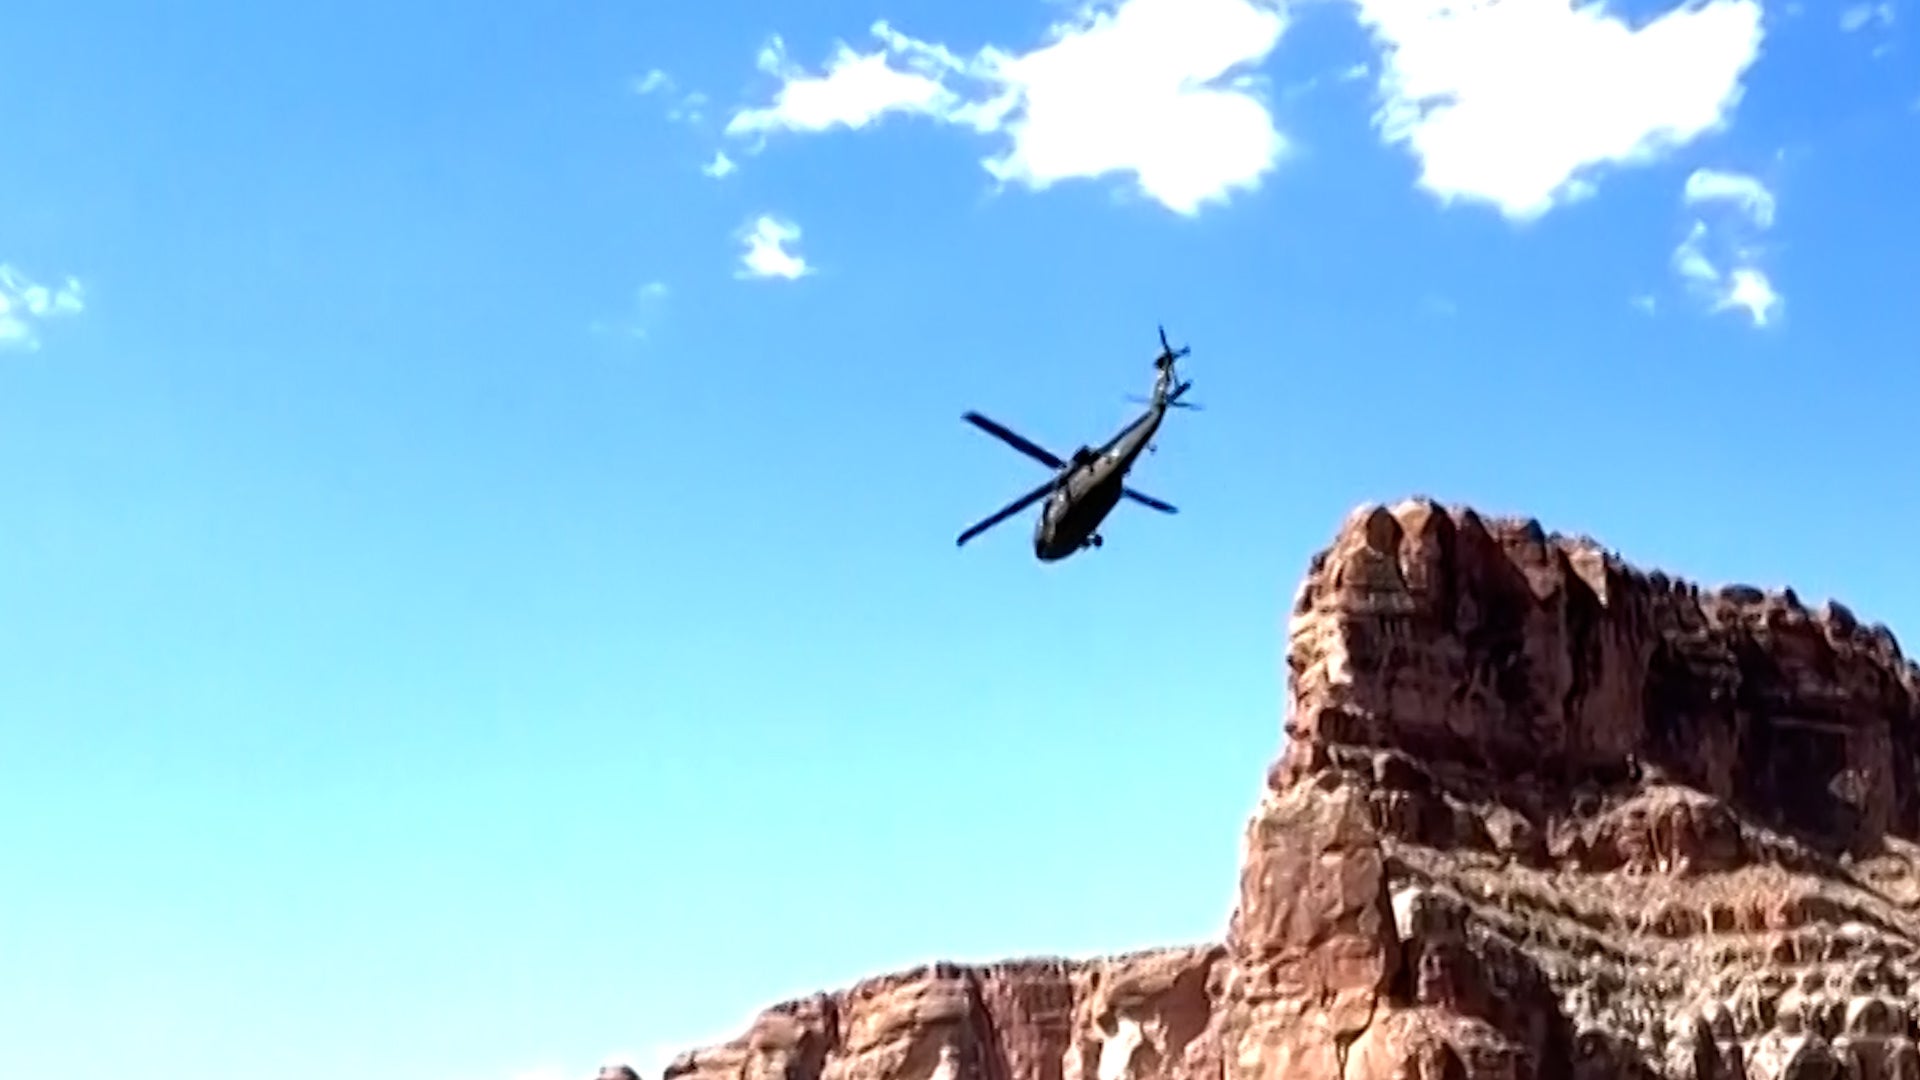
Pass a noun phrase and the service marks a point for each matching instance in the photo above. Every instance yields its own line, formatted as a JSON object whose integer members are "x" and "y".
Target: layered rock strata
{"x": 1539, "y": 815}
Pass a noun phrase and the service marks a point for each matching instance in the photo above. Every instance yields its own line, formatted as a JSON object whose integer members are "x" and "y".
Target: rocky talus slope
{"x": 1539, "y": 814}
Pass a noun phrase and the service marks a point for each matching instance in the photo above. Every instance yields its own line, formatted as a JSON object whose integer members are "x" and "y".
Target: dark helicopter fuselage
{"x": 1086, "y": 487}
{"x": 1071, "y": 518}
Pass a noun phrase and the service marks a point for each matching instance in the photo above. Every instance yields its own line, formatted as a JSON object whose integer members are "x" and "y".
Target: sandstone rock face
{"x": 1134, "y": 1017}
{"x": 1539, "y": 815}
{"x": 1546, "y": 666}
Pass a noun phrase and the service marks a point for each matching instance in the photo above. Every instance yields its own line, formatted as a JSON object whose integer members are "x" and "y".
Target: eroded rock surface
{"x": 1544, "y": 669}
{"x": 1134, "y": 1017}
{"x": 1539, "y": 815}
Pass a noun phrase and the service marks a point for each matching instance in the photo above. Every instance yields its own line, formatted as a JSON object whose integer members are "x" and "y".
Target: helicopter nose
{"x": 1042, "y": 541}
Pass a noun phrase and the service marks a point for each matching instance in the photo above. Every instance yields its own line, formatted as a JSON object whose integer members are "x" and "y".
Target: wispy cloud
{"x": 1872, "y": 21}
{"x": 26, "y": 305}
{"x": 769, "y": 252}
{"x": 1720, "y": 258}
{"x": 648, "y": 305}
{"x": 1161, "y": 92}
{"x": 853, "y": 91}
{"x": 682, "y": 108}
{"x": 1746, "y": 193}
{"x": 1857, "y": 17}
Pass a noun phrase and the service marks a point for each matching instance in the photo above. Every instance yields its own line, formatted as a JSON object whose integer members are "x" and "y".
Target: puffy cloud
{"x": 1521, "y": 103}
{"x": 767, "y": 252}
{"x": 1159, "y": 91}
{"x": 853, "y": 91}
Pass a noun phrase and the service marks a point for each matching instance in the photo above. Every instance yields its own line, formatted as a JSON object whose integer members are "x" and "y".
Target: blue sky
{"x": 477, "y": 590}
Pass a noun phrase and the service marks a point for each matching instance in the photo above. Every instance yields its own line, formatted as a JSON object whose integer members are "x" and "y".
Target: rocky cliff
{"x": 1539, "y": 814}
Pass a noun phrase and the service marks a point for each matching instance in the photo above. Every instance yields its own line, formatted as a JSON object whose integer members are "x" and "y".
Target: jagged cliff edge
{"x": 1539, "y": 814}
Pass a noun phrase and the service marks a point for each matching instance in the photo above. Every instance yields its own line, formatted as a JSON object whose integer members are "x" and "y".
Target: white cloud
{"x": 1144, "y": 91}
{"x": 681, "y": 108}
{"x": 1721, "y": 262}
{"x": 1750, "y": 290}
{"x": 1748, "y": 194}
{"x": 1874, "y": 18}
{"x": 1521, "y": 103}
{"x": 1857, "y": 16}
{"x": 720, "y": 166}
{"x": 767, "y": 254}
{"x": 853, "y": 91}
{"x": 1160, "y": 91}
{"x": 26, "y": 304}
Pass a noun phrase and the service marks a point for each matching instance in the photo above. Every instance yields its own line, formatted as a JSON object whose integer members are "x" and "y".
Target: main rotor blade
{"x": 1019, "y": 442}
{"x": 1148, "y": 500}
{"x": 1007, "y": 511}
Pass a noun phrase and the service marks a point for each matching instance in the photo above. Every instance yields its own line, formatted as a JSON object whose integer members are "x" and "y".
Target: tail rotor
{"x": 1168, "y": 354}
{"x": 1164, "y": 365}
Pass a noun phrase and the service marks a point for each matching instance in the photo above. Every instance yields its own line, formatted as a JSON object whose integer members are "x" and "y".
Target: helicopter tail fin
{"x": 1168, "y": 354}
{"x": 1168, "y": 377}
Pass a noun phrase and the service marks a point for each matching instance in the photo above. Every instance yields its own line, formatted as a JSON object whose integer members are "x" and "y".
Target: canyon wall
{"x": 1539, "y": 815}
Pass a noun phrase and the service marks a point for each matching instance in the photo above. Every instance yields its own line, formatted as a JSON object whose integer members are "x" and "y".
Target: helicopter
{"x": 1087, "y": 486}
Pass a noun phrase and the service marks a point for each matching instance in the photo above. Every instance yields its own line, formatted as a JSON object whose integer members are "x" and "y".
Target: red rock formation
{"x": 1136, "y": 1015}
{"x": 1543, "y": 665}
{"x": 1540, "y": 815}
